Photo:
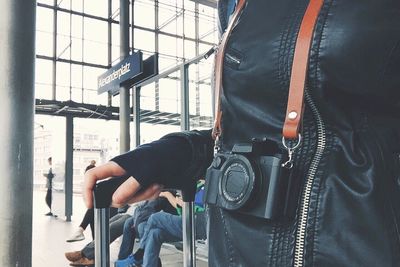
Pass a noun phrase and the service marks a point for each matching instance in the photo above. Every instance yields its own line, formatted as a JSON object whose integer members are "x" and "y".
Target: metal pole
{"x": 136, "y": 113}
{"x": 124, "y": 110}
{"x": 133, "y": 25}
{"x": 189, "y": 251}
{"x": 185, "y": 123}
{"x": 17, "y": 56}
{"x": 102, "y": 240}
{"x": 109, "y": 55}
{"x": 69, "y": 169}
{"x": 54, "y": 73}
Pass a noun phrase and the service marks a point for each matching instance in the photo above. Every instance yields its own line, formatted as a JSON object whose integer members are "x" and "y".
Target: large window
{"x": 83, "y": 39}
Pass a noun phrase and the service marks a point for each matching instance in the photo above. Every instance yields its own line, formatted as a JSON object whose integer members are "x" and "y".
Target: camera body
{"x": 252, "y": 180}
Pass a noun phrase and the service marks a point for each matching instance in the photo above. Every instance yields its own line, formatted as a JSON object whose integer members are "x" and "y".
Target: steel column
{"x": 17, "y": 57}
{"x": 136, "y": 113}
{"x": 69, "y": 169}
{"x": 124, "y": 91}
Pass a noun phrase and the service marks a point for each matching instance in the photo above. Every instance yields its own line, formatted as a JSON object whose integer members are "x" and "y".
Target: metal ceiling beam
{"x": 80, "y": 110}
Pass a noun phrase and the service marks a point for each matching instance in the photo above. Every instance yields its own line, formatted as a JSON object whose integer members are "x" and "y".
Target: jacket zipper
{"x": 232, "y": 58}
{"x": 305, "y": 199}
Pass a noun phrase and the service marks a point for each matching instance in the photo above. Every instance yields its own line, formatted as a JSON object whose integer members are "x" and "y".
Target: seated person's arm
{"x": 179, "y": 201}
{"x": 162, "y": 162}
{"x": 170, "y": 197}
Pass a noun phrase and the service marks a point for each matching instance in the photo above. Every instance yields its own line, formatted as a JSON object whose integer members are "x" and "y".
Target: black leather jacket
{"x": 349, "y": 211}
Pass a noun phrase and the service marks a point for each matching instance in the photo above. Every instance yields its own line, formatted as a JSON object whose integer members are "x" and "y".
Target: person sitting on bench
{"x": 163, "y": 227}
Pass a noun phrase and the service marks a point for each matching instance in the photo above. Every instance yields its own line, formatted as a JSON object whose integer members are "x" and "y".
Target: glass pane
{"x": 115, "y": 10}
{"x": 94, "y": 52}
{"x": 44, "y": 43}
{"x": 63, "y": 46}
{"x": 63, "y": 74}
{"x": 77, "y": 5}
{"x": 95, "y": 30}
{"x": 97, "y": 8}
{"x": 48, "y": 2}
{"x": 165, "y": 63}
{"x": 64, "y": 4}
{"x": 190, "y": 49}
{"x": 43, "y": 79}
{"x": 77, "y": 76}
{"x": 144, "y": 40}
{"x": 144, "y": 14}
{"x": 44, "y": 20}
{"x": 76, "y": 94}
{"x": 43, "y": 91}
{"x": 77, "y": 24}
{"x": 170, "y": 20}
{"x": 169, "y": 95}
{"x": 115, "y": 101}
{"x": 115, "y": 44}
{"x": 208, "y": 30}
{"x": 63, "y": 93}
{"x": 63, "y": 23}
{"x": 205, "y": 100}
{"x": 76, "y": 47}
{"x": 43, "y": 71}
{"x": 189, "y": 25}
{"x": 192, "y": 98}
{"x": 169, "y": 45}
{"x": 147, "y": 97}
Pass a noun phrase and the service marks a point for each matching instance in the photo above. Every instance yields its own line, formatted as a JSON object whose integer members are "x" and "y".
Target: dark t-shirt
{"x": 157, "y": 161}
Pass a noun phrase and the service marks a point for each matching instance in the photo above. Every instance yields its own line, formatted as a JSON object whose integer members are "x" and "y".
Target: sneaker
{"x": 77, "y": 236}
{"x": 128, "y": 262}
{"x": 74, "y": 256}
{"x": 83, "y": 262}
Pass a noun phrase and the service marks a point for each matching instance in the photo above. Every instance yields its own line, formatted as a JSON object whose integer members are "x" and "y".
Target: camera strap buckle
{"x": 290, "y": 149}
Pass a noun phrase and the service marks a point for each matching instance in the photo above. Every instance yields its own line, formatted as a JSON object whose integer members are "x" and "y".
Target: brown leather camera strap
{"x": 294, "y": 111}
{"x": 295, "y": 105}
{"x": 219, "y": 62}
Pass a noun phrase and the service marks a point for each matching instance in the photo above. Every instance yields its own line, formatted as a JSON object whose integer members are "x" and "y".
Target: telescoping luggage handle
{"x": 295, "y": 106}
{"x": 102, "y": 195}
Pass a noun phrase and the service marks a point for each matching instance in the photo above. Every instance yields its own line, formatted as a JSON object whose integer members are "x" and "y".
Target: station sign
{"x": 130, "y": 71}
{"x": 122, "y": 72}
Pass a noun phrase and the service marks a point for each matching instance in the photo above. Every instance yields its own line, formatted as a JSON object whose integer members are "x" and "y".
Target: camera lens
{"x": 237, "y": 182}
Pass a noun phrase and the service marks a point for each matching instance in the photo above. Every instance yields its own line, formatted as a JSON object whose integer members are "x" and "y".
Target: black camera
{"x": 252, "y": 180}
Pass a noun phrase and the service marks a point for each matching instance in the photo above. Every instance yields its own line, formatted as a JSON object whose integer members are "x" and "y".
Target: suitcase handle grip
{"x": 103, "y": 191}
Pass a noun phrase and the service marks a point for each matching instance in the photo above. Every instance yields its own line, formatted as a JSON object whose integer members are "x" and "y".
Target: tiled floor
{"x": 49, "y": 235}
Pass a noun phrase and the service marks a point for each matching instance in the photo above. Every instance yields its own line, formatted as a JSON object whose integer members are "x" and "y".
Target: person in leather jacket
{"x": 348, "y": 209}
